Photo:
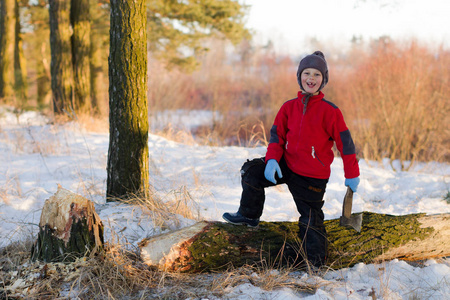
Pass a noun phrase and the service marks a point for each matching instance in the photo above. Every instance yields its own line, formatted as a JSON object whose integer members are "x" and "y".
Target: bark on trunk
{"x": 61, "y": 62}
{"x": 208, "y": 246}
{"x": 7, "y": 43}
{"x": 99, "y": 95}
{"x": 69, "y": 228}
{"x": 128, "y": 116}
{"x": 43, "y": 78}
{"x": 81, "y": 43}
{"x": 20, "y": 68}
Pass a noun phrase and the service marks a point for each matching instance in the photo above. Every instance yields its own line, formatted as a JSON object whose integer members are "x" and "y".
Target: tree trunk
{"x": 7, "y": 42}
{"x": 69, "y": 228}
{"x": 79, "y": 16}
{"x": 20, "y": 69}
{"x": 43, "y": 77}
{"x": 208, "y": 246}
{"x": 98, "y": 42}
{"x": 38, "y": 50}
{"x": 128, "y": 116}
{"x": 61, "y": 57}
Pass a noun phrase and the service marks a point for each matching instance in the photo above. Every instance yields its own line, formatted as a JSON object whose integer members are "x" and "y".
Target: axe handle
{"x": 347, "y": 205}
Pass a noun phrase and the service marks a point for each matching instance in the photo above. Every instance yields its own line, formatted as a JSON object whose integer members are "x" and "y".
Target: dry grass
{"x": 268, "y": 279}
{"x": 119, "y": 274}
{"x": 113, "y": 275}
{"x": 167, "y": 210}
{"x": 93, "y": 123}
{"x": 396, "y": 104}
{"x": 179, "y": 136}
{"x": 11, "y": 187}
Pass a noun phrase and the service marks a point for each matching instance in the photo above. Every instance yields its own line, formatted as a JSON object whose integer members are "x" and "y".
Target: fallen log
{"x": 209, "y": 246}
{"x": 69, "y": 228}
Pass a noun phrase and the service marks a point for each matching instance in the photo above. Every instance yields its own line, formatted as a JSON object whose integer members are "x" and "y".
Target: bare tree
{"x": 7, "y": 44}
{"x": 20, "y": 70}
{"x": 61, "y": 57}
{"x": 99, "y": 16}
{"x": 79, "y": 18}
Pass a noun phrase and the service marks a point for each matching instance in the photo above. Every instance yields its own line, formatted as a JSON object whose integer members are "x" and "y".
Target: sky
{"x": 290, "y": 23}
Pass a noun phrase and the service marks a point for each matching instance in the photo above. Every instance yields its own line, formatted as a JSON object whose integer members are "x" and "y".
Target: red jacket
{"x": 304, "y": 135}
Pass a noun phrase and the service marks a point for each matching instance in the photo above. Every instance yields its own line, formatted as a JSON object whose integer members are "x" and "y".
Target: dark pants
{"x": 308, "y": 196}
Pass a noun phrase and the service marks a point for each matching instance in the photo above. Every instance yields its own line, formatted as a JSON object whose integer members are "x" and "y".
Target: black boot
{"x": 314, "y": 243}
{"x": 238, "y": 219}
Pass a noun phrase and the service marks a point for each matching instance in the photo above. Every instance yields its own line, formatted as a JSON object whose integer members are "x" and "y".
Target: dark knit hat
{"x": 316, "y": 61}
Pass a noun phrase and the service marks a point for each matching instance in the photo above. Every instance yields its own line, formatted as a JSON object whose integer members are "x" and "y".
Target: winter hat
{"x": 316, "y": 61}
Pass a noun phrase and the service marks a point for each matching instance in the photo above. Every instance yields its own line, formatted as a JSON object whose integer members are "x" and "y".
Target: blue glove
{"x": 272, "y": 167}
{"x": 352, "y": 183}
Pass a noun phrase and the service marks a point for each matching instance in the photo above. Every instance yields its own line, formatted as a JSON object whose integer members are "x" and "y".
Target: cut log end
{"x": 170, "y": 251}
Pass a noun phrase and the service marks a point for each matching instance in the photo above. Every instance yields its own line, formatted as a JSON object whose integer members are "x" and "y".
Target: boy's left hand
{"x": 352, "y": 183}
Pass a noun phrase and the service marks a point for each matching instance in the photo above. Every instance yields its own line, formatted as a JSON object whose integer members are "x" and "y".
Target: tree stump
{"x": 210, "y": 246}
{"x": 69, "y": 228}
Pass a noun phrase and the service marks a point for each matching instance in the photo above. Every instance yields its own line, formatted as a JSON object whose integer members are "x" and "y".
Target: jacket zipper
{"x": 301, "y": 122}
{"x": 313, "y": 153}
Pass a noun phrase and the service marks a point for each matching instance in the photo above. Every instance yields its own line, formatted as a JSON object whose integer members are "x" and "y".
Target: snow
{"x": 36, "y": 155}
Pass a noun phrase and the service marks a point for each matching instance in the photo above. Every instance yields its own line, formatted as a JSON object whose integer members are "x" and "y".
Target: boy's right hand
{"x": 272, "y": 167}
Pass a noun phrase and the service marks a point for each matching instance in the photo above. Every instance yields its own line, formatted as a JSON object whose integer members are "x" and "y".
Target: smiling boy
{"x": 300, "y": 155}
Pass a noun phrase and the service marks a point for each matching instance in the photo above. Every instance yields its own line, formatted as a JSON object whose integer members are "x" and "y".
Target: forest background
{"x": 394, "y": 94}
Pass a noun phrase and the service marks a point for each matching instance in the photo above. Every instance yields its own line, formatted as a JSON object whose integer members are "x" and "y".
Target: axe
{"x": 347, "y": 219}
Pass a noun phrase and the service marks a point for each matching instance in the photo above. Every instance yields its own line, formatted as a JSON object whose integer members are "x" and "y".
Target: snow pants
{"x": 308, "y": 196}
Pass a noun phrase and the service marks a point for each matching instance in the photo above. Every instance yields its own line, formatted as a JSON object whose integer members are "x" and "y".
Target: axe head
{"x": 347, "y": 219}
{"x": 355, "y": 222}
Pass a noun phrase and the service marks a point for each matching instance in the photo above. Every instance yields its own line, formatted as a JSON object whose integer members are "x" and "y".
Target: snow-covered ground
{"x": 36, "y": 156}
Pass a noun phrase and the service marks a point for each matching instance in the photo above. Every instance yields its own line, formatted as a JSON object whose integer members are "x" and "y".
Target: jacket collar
{"x": 317, "y": 97}
{"x": 307, "y": 98}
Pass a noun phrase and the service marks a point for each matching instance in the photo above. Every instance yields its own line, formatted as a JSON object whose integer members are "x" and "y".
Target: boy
{"x": 300, "y": 154}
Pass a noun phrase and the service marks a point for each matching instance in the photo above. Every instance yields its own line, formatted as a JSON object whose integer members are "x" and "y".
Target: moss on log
{"x": 379, "y": 233}
{"x": 221, "y": 245}
{"x": 216, "y": 245}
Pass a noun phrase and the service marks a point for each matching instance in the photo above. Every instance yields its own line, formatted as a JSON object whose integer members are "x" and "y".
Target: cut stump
{"x": 210, "y": 246}
{"x": 69, "y": 228}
